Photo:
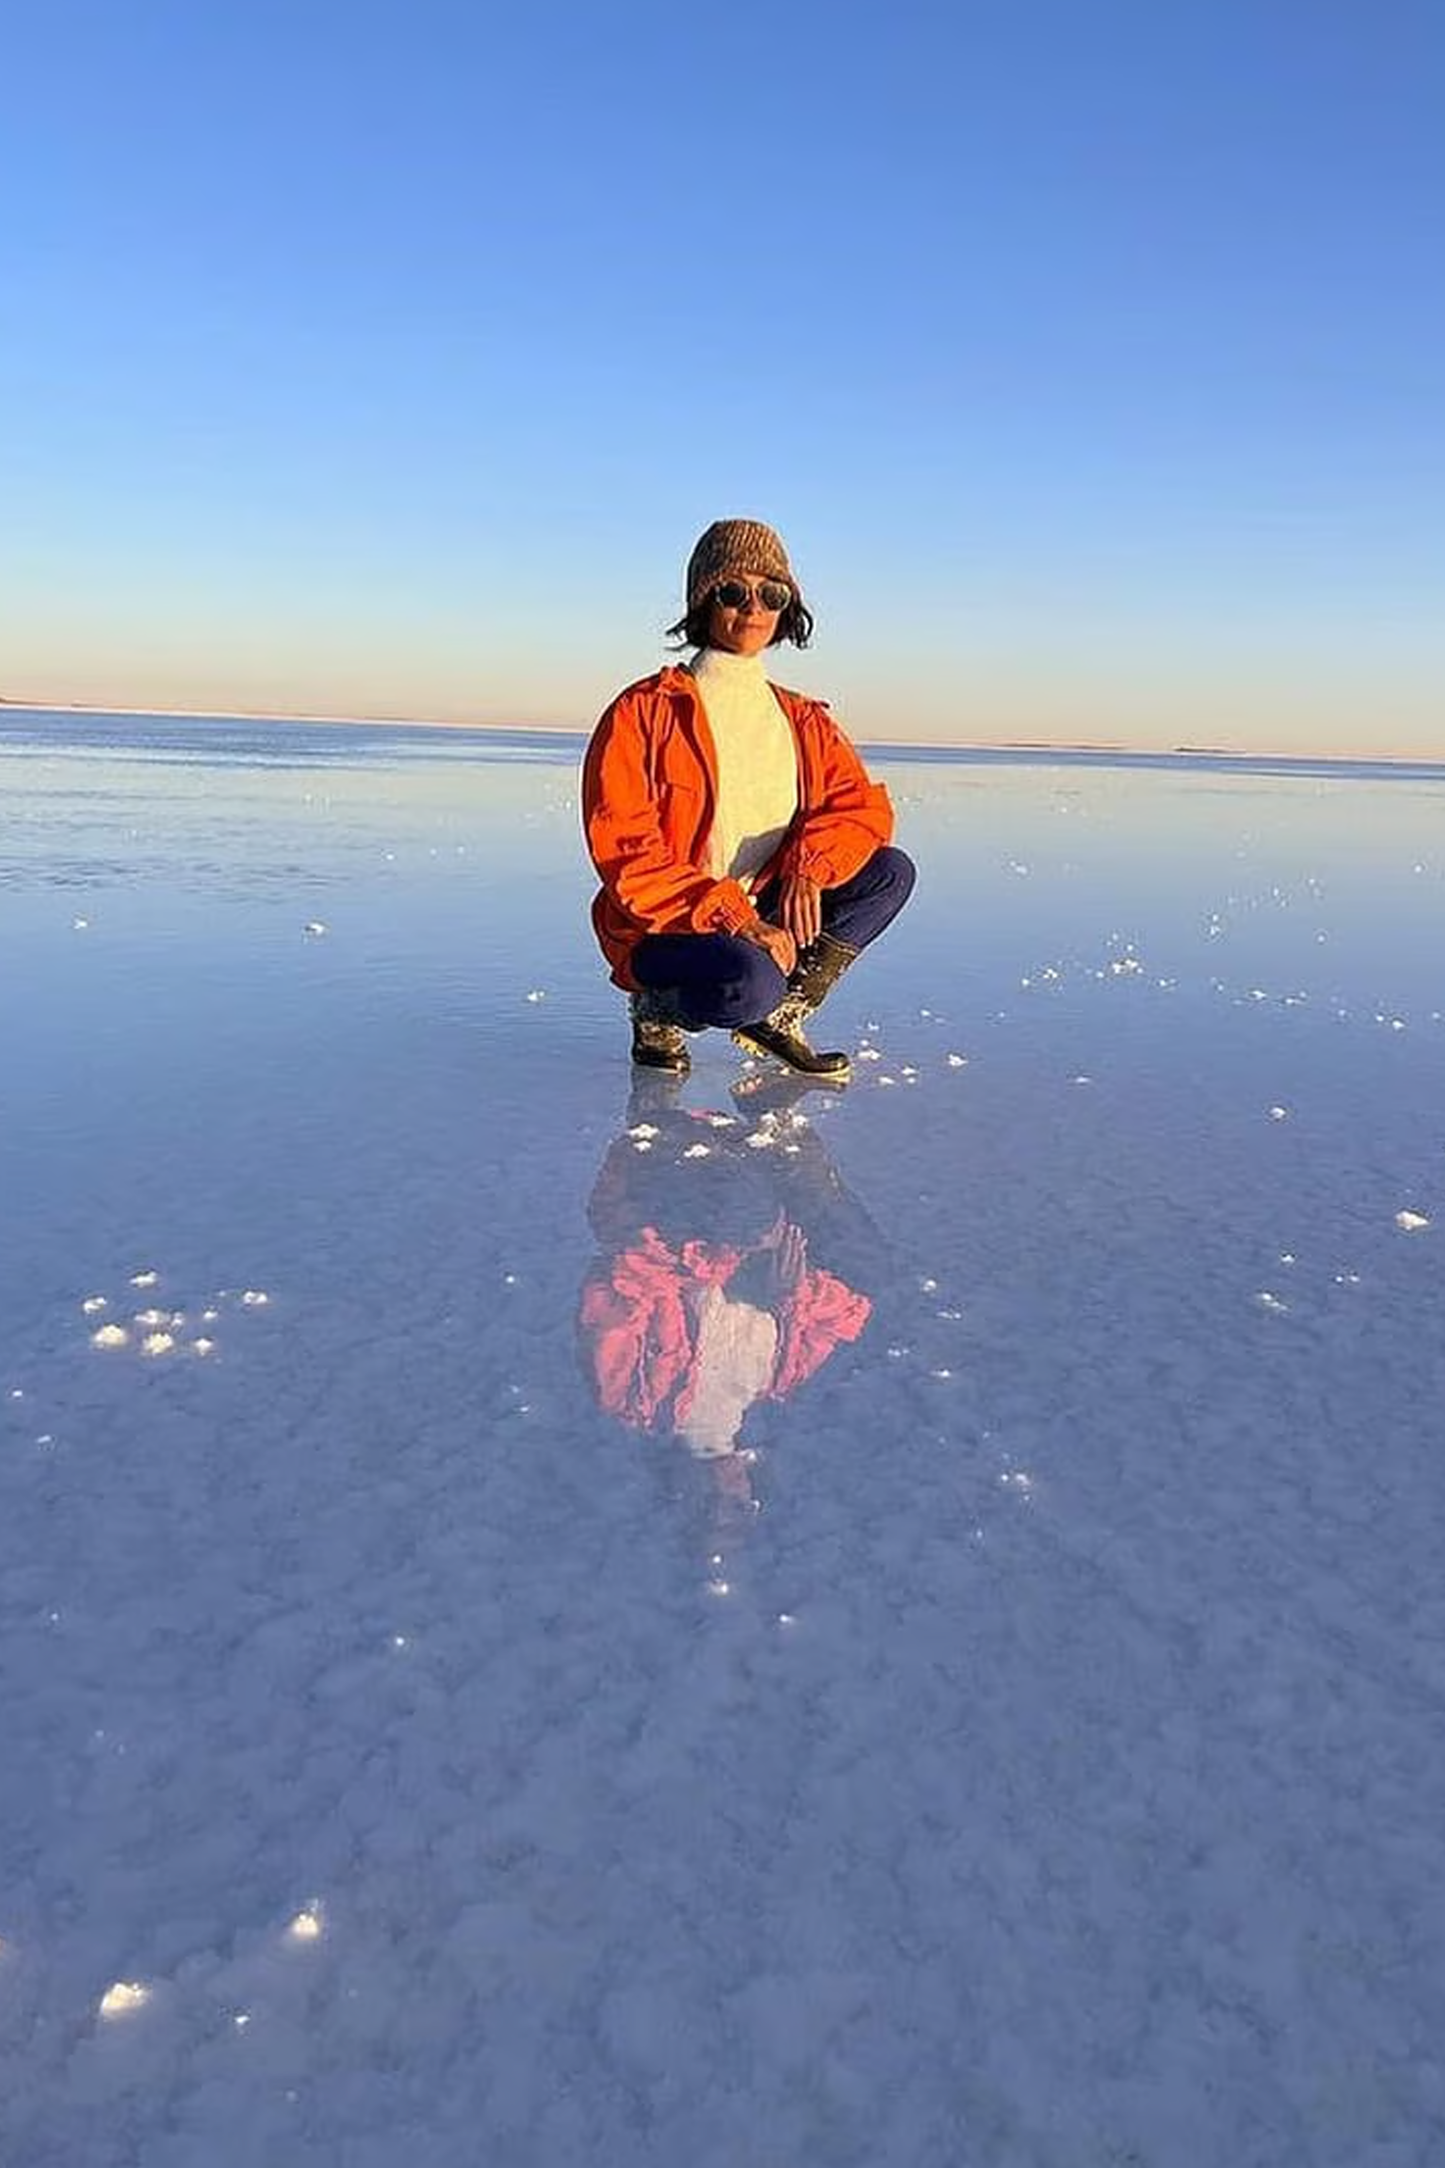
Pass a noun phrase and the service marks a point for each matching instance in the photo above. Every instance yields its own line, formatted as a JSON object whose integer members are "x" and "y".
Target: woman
{"x": 745, "y": 857}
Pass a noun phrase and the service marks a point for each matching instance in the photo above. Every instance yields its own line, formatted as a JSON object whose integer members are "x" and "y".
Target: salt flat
{"x": 422, "y": 1742}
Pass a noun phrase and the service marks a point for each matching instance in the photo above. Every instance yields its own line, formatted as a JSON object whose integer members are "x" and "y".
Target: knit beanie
{"x": 733, "y": 546}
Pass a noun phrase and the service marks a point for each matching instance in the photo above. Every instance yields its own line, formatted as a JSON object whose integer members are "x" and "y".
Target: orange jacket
{"x": 648, "y": 793}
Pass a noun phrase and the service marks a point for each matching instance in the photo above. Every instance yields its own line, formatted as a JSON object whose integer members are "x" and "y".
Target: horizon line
{"x": 1103, "y": 746}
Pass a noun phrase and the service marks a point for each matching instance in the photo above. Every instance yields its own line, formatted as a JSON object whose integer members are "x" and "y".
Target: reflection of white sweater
{"x": 757, "y": 762}
{"x": 737, "y": 1348}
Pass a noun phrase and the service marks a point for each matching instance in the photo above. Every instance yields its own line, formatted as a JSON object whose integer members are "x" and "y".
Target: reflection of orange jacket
{"x": 642, "y": 1338}
{"x": 648, "y": 791}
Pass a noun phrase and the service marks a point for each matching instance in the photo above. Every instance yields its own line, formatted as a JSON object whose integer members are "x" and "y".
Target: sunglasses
{"x": 768, "y": 594}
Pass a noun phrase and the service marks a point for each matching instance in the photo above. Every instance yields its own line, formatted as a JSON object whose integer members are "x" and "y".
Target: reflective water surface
{"x": 548, "y": 1616}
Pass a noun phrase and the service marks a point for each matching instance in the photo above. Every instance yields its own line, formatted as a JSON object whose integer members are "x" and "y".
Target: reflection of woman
{"x": 744, "y": 854}
{"x": 705, "y": 1296}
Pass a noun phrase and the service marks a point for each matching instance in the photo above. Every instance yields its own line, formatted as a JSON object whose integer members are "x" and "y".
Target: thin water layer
{"x": 552, "y": 1617}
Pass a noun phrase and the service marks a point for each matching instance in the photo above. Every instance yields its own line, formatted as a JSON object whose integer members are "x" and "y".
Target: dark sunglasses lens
{"x": 772, "y": 594}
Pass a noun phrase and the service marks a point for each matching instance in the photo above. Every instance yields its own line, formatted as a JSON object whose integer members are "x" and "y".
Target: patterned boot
{"x": 816, "y": 973}
{"x": 658, "y": 1039}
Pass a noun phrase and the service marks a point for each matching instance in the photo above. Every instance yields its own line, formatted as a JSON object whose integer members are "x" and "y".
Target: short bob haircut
{"x": 795, "y": 624}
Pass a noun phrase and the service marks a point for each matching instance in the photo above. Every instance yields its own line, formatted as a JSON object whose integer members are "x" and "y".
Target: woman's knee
{"x": 748, "y": 985}
{"x": 893, "y": 870}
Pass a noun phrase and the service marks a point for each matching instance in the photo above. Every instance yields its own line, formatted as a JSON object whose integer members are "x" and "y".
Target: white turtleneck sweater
{"x": 757, "y": 763}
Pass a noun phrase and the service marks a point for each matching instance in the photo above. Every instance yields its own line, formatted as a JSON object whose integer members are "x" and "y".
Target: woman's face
{"x": 742, "y": 628}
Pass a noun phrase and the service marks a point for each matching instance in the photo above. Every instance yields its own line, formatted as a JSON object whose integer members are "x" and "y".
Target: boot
{"x": 815, "y": 974}
{"x": 658, "y": 1039}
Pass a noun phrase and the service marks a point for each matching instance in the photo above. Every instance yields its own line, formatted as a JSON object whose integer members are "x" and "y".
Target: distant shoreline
{"x": 1034, "y": 748}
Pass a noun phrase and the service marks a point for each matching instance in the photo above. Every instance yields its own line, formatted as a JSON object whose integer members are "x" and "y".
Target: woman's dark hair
{"x": 795, "y": 624}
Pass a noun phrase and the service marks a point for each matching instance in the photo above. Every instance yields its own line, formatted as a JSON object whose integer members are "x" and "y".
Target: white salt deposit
{"x": 1411, "y": 1222}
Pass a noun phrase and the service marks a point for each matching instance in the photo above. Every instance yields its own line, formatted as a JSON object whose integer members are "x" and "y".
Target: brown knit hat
{"x": 733, "y": 546}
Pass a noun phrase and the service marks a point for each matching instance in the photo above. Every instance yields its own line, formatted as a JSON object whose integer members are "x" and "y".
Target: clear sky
{"x": 387, "y": 359}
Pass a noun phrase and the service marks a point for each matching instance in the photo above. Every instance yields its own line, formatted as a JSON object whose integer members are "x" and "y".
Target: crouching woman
{"x": 744, "y": 854}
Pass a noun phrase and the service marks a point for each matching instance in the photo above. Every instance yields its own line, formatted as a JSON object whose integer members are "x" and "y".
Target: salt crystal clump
{"x": 698, "y": 1151}
{"x": 144, "y": 1279}
{"x": 93, "y": 1303}
{"x": 110, "y": 1336}
{"x": 306, "y": 1927}
{"x": 1410, "y": 1223}
{"x": 958, "y": 1061}
{"x": 123, "y": 1996}
{"x": 255, "y": 1298}
{"x": 157, "y": 1343}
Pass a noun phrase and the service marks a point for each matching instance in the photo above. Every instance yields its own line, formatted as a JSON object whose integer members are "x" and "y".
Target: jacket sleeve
{"x": 844, "y": 817}
{"x": 639, "y": 868}
{"x": 821, "y": 1312}
{"x": 632, "y": 1324}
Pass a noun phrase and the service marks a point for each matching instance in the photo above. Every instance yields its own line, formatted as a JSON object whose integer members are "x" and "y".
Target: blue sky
{"x": 382, "y": 359}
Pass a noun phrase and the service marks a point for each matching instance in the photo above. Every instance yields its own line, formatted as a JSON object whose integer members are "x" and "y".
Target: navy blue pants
{"x": 721, "y": 979}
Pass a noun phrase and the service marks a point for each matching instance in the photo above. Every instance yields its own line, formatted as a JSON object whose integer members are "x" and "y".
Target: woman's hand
{"x": 801, "y": 903}
{"x": 778, "y": 943}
